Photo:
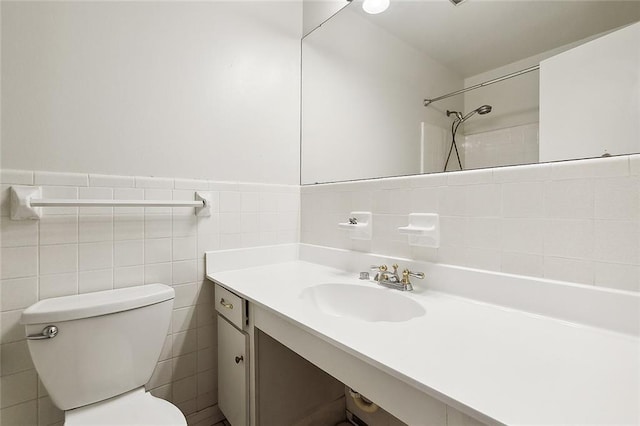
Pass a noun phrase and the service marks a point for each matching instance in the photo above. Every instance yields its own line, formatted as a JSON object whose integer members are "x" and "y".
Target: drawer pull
{"x": 226, "y": 304}
{"x": 239, "y": 358}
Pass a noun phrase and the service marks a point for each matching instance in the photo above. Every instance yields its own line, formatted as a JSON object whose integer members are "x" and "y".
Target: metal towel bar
{"x": 43, "y": 202}
{"x": 26, "y": 203}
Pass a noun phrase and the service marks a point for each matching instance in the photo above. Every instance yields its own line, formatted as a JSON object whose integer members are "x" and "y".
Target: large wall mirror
{"x": 555, "y": 80}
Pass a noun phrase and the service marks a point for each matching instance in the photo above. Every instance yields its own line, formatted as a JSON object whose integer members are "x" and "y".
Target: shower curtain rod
{"x": 427, "y": 102}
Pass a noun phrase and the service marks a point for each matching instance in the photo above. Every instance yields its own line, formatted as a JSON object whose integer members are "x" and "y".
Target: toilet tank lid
{"x": 95, "y": 304}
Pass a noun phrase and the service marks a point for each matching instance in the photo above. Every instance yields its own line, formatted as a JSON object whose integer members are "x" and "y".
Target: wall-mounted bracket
{"x": 205, "y": 210}
{"x": 21, "y": 207}
{"x": 362, "y": 228}
{"x": 423, "y": 230}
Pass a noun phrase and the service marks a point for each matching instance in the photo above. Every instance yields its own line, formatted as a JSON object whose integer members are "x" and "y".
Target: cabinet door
{"x": 232, "y": 373}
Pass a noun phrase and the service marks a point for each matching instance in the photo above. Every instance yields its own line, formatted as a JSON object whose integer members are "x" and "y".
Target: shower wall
{"x": 503, "y": 147}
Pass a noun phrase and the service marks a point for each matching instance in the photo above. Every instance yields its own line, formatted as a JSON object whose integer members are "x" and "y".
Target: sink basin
{"x": 371, "y": 304}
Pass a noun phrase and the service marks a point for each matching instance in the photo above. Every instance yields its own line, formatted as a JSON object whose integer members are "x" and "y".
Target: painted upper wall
{"x": 190, "y": 89}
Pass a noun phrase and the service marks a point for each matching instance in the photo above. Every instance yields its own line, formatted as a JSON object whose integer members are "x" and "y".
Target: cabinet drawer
{"x": 231, "y": 306}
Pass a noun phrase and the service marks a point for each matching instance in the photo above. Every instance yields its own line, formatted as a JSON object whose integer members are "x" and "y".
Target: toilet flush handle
{"x": 49, "y": 332}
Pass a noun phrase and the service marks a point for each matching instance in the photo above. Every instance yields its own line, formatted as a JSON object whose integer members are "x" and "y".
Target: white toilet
{"x": 94, "y": 353}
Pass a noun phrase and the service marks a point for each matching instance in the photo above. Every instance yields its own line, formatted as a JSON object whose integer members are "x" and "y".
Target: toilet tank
{"x": 108, "y": 342}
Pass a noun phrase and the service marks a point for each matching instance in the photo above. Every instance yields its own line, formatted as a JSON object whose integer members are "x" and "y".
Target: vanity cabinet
{"x": 233, "y": 359}
{"x": 260, "y": 381}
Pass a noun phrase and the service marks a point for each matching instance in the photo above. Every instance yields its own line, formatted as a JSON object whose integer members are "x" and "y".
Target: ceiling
{"x": 480, "y": 35}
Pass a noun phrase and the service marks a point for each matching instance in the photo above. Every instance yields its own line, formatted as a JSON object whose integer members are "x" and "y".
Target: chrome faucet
{"x": 383, "y": 275}
{"x": 392, "y": 280}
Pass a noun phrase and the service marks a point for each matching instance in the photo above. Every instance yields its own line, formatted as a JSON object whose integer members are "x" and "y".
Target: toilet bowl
{"x": 95, "y": 352}
{"x": 132, "y": 408}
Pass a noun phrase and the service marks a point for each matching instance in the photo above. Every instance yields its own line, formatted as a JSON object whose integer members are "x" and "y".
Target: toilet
{"x": 94, "y": 353}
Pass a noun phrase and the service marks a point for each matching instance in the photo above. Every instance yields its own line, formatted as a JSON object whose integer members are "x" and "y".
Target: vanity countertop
{"x": 511, "y": 366}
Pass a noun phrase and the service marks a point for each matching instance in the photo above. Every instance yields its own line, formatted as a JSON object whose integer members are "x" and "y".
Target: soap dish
{"x": 423, "y": 230}
{"x": 359, "y": 225}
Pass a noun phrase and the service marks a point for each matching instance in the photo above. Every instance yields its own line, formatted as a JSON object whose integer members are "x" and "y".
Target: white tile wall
{"x": 78, "y": 250}
{"x": 504, "y": 147}
{"x": 577, "y": 221}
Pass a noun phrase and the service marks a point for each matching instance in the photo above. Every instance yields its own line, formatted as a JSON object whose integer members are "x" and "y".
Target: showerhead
{"x": 484, "y": 109}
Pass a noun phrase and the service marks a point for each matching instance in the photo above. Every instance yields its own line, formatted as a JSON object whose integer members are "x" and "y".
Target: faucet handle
{"x": 381, "y": 268}
{"x": 407, "y": 273}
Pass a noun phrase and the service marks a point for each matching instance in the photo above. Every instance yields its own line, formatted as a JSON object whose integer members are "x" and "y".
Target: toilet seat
{"x": 134, "y": 408}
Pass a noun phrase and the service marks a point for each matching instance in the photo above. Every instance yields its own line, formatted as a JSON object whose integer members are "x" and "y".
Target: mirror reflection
{"x": 550, "y": 80}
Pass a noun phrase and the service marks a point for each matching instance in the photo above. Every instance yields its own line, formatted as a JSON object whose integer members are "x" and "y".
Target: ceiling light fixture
{"x": 374, "y": 7}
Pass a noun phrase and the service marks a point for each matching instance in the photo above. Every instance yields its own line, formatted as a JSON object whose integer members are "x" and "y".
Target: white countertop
{"x": 512, "y": 366}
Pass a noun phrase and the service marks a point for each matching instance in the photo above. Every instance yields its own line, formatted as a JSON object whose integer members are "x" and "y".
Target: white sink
{"x": 371, "y": 304}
